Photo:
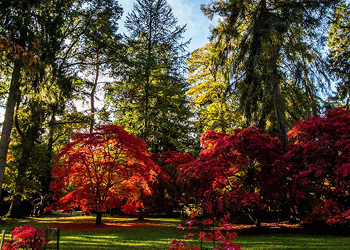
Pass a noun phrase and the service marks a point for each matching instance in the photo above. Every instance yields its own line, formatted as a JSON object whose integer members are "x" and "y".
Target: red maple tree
{"x": 167, "y": 190}
{"x": 240, "y": 172}
{"x": 102, "y": 170}
{"x": 319, "y": 164}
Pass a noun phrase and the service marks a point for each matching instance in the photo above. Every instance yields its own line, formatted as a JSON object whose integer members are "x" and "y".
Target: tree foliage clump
{"x": 211, "y": 98}
{"x": 167, "y": 190}
{"x": 37, "y": 90}
{"x": 238, "y": 172}
{"x": 319, "y": 163}
{"x": 102, "y": 170}
{"x": 253, "y": 173}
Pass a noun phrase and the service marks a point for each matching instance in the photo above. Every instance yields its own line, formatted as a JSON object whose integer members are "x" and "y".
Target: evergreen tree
{"x": 39, "y": 87}
{"x": 19, "y": 52}
{"x": 48, "y": 81}
{"x": 339, "y": 54}
{"x": 96, "y": 45}
{"x": 274, "y": 44}
{"x": 149, "y": 98}
{"x": 211, "y": 97}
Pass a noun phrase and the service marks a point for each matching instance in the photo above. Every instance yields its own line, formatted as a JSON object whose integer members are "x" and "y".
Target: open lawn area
{"x": 80, "y": 232}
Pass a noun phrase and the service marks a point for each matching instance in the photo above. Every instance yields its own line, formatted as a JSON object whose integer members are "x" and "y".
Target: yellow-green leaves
{"x": 210, "y": 98}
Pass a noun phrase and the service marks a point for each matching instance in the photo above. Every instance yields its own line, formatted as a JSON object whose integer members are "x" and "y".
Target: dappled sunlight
{"x": 87, "y": 222}
{"x": 81, "y": 232}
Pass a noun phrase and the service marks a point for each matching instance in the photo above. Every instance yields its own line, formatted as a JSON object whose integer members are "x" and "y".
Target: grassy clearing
{"x": 126, "y": 233}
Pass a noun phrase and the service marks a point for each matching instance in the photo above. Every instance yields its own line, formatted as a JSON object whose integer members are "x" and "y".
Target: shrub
{"x": 26, "y": 237}
{"x": 222, "y": 235}
{"x": 319, "y": 163}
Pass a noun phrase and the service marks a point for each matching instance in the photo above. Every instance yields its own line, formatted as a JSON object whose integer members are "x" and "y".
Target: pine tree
{"x": 274, "y": 44}
{"x": 339, "y": 54}
{"x": 149, "y": 99}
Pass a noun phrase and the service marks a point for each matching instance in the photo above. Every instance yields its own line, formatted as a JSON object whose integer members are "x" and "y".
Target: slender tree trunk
{"x": 8, "y": 119}
{"x": 145, "y": 131}
{"x": 148, "y": 78}
{"x": 50, "y": 142}
{"x": 27, "y": 148}
{"x": 93, "y": 91}
{"x": 141, "y": 216}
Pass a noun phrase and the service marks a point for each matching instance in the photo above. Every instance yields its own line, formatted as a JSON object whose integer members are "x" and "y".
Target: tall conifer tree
{"x": 339, "y": 53}
{"x": 150, "y": 97}
{"x": 275, "y": 45}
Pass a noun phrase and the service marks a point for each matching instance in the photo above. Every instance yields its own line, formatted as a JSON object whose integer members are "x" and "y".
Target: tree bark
{"x": 281, "y": 116}
{"x": 8, "y": 119}
{"x": 141, "y": 216}
{"x": 93, "y": 91}
{"x": 99, "y": 218}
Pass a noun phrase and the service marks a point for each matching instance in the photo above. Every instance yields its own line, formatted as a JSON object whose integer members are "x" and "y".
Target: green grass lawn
{"x": 126, "y": 233}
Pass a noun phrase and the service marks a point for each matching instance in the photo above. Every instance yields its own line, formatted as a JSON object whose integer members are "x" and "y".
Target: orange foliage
{"x": 101, "y": 170}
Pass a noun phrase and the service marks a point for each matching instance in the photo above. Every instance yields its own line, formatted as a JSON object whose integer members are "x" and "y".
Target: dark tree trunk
{"x": 27, "y": 148}
{"x": 16, "y": 209}
{"x": 92, "y": 97}
{"x": 141, "y": 216}
{"x": 99, "y": 218}
{"x": 281, "y": 116}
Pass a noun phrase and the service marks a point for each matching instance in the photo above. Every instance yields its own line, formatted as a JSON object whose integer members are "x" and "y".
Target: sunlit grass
{"x": 291, "y": 241}
{"x": 126, "y": 233}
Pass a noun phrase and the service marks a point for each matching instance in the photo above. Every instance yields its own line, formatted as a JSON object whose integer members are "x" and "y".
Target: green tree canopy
{"x": 149, "y": 97}
{"x": 274, "y": 44}
{"x": 211, "y": 97}
{"x": 339, "y": 54}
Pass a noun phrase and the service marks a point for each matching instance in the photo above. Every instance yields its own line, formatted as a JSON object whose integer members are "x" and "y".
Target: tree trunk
{"x": 141, "y": 216}
{"x": 93, "y": 91}
{"x": 15, "y": 209}
{"x": 281, "y": 116}
{"x": 47, "y": 178}
{"x": 99, "y": 218}
{"x": 8, "y": 119}
{"x": 27, "y": 148}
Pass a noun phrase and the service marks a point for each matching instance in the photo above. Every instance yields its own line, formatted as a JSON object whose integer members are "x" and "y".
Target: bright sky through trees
{"x": 187, "y": 12}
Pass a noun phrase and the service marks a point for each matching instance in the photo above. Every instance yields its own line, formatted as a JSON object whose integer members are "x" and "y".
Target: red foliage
{"x": 26, "y": 237}
{"x": 222, "y": 236}
{"x": 132, "y": 207}
{"x": 319, "y": 164}
{"x": 101, "y": 170}
{"x": 166, "y": 191}
{"x": 242, "y": 171}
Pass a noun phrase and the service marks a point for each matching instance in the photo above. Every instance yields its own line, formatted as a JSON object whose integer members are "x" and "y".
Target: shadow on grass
{"x": 281, "y": 228}
{"x": 127, "y": 233}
